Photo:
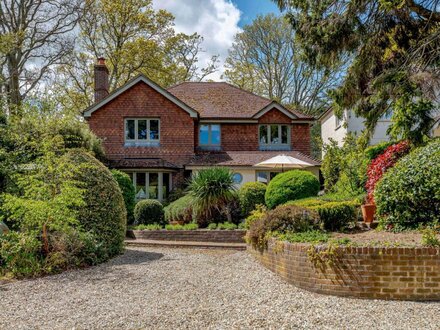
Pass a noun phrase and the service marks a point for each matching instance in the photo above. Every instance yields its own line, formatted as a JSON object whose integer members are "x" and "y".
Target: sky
{"x": 216, "y": 20}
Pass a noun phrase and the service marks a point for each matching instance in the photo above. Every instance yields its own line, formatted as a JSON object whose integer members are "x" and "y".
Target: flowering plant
{"x": 382, "y": 163}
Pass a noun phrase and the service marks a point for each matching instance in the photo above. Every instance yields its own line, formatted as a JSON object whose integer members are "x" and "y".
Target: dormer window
{"x": 209, "y": 136}
{"x": 142, "y": 132}
{"x": 274, "y": 137}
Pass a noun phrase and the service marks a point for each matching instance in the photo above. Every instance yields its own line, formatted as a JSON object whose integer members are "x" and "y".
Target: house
{"x": 336, "y": 128}
{"x": 160, "y": 136}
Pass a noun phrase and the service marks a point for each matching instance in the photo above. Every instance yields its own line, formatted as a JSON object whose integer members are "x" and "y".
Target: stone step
{"x": 185, "y": 244}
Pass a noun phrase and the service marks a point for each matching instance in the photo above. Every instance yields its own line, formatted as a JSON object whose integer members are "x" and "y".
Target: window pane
{"x": 129, "y": 130}
{"x": 274, "y": 138}
{"x": 284, "y": 134}
{"x": 142, "y": 129}
{"x": 215, "y": 134}
{"x": 204, "y": 134}
{"x": 154, "y": 129}
{"x": 140, "y": 186}
{"x": 165, "y": 185}
{"x": 263, "y": 134}
{"x": 154, "y": 186}
{"x": 262, "y": 177}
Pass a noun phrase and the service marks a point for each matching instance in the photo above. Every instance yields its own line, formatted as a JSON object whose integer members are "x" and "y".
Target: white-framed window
{"x": 338, "y": 121}
{"x": 274, "y": 137}
{"x": 209, "y": 136}
{"x": 142, "y": 131}
{"x": 151, "y": 185}
{"x": 265, "y": 176}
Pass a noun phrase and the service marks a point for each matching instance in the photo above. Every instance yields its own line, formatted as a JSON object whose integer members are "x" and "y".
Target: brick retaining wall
{"x": 363, "y": 272}
{"x": 217, "y": 236}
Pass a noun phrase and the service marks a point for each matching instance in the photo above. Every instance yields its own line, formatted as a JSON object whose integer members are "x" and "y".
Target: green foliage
{"x": 20, "y": 254}
{"x": 312, "y": 236}
{"x": 429, "y": 238}
{"x": 128, "y": 192}
{"x": 180, "y": 210}
{"x": 283, "y": 219}
{"x": 250, "y": 195}
{"x": 227, "y": 226}
{"x": 336, "y": 216}
{"x": 153, "y": 226}
{"x": 148, "y": 211}
{"x": 103, "y": 213}
{"x": 373, "y": 151}
{"x": 212, "y": 190}
{"x": 259, "y": 212}
{"x": 212, "y": 226}
{"x": 345, "y": 168}
{"x": 409, "y": 193}
{"x": 291, "y": 185}
{"x": 188, "y": 226}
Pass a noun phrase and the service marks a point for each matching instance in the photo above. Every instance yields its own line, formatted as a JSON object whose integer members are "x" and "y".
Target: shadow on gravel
{"x": 134, "y": 257}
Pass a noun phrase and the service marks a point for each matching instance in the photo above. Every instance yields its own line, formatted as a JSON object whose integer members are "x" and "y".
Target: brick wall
{"x": 239, "y": 137}
{"x": 361, "y": 272}
{"x": 301, "y": 138}
{"x": 141, "y": 101}
{"x": 217, "y": 236}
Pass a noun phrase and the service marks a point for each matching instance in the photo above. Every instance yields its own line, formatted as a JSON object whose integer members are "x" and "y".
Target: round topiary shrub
{"x": 104, "y": 211}
{"x": 409, "y": 193}
{"x": 250, "y": 195}
{"x": 148, "y": 211}
{"x": 289, "y": 186}
{"x": 128, "y": 193}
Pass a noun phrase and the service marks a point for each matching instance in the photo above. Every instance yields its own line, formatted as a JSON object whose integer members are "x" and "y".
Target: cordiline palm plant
{"x": 212, "y": 189}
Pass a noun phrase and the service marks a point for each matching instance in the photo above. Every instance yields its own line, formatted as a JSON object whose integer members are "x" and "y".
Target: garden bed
{"x": 199, "y": 235}
{"x": 378, "y": 272}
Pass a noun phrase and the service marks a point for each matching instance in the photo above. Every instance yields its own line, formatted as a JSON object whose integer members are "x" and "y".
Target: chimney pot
{"x": 101, "y": 79}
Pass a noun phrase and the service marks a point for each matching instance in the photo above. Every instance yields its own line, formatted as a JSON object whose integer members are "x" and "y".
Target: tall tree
{"x": 394, "y": 46}
{"x": 134, "y": 38}
{"x": 40, "y": 34}
{"x": 266, "y": 59}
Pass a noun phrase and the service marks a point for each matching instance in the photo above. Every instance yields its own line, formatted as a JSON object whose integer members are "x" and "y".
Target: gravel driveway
{"x": 192, "y": 289}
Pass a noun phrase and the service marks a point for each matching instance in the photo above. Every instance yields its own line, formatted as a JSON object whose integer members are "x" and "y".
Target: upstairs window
{"x": 142, "y": 131}
{"x": 209, "y": 136}
{"x": 274, "y": 137}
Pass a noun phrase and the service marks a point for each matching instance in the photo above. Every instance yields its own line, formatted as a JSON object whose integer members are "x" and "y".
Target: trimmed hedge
{"x": 180, "y": 210}
{"x": 289, "y": 186}
{"x": 336, "y": 216}
{"x": 104, "y": 211}
{"x": 128, "y": 192}
{"x": 250, "y": 195}
{"x": 148, "y": 212}
{"x": 409, "y": 193}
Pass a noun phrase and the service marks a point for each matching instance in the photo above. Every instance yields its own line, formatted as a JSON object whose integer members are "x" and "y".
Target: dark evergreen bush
{"x": 128, "y": 193}
{"x": 290, "y": 186}
{"x": 148, "y": 211}
{"x": 250, "y": 195}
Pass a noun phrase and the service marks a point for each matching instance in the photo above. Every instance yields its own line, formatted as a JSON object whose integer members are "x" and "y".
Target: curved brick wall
{"x": 216, "y": 236}
{"x": 361, "y": 272}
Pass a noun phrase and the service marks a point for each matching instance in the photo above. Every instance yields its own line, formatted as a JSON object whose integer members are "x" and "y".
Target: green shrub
{"x": 429, "y": 238}
{"x": 313, "y": 236}
{"x": 20, "y": 254}
{"x": 103, "y": 212}
{"x": 180, "y": 210}
{"x": 212, "y": 226}
{"x": 259, "y": 212}
{"x": 336, "y": 216}
{"x": 153, "y": 226}
{"x": 283, "y": 219}
{"x": 128, "y": 192}
{"x": 289, "y": 186}
{"x": 188, "y": 226}
{"x": 148, "y": 211}
{"x": 250, "y": 195}
{"x": 409, "y": 193}
{"x": 373, "y": 151}
{"x": 227, "y": 226}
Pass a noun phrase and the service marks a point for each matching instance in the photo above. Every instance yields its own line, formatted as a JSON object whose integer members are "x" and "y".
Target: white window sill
{"x": 142, "y": 144}
{"x": 274, "y": 147}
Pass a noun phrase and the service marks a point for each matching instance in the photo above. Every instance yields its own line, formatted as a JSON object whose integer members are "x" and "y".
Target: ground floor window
{"x": 265, "y": 176}
{"x": 151, "y": 185}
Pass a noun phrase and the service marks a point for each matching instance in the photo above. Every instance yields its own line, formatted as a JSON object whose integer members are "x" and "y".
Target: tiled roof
{"x": 142, "y": 163}
{"x": 222, "y": 100}
{"x": 244, "y": 158}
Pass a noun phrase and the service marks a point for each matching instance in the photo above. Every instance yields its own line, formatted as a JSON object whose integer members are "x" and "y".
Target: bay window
{"x": 274, "y": 137}
{"x": 142, "y": 131}
{"x": 151, "y": 185}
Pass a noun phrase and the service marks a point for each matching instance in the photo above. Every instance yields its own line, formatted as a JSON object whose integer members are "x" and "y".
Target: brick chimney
{"x": 101, "y": 80}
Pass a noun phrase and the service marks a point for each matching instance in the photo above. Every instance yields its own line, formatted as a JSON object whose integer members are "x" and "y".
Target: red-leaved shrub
{"x": 382, "y": 163}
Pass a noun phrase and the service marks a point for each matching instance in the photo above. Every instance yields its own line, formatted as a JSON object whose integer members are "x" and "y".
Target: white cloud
{"x": 215, "y": 20}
